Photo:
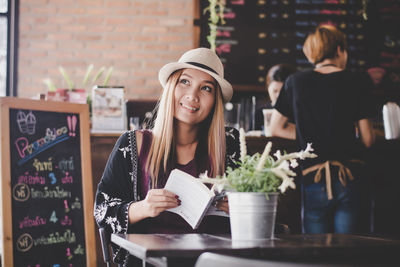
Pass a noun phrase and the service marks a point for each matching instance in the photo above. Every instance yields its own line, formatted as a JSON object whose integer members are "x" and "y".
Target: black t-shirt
{"x": 324, "y": 108}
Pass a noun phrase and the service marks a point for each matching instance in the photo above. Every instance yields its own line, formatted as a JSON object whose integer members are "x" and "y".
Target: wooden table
{"x": 163, "y": 249}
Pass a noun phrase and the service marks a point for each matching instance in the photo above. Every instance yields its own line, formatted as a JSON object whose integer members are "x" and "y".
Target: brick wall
{"x": 137, "y": 37}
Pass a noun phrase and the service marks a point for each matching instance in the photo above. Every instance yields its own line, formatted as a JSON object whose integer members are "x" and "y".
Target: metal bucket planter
{"x": 252, "y": 215}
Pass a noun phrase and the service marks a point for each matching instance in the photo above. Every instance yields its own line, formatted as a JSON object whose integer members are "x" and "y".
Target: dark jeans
{"x": 346, "y": 212}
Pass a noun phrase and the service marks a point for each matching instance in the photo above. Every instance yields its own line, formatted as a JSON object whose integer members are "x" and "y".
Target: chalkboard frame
{"x": 82, "y": 110}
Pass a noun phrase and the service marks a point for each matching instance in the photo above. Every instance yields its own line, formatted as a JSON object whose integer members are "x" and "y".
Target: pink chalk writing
{"x": 229, "y": 15}
{"x": 69, "y": 255}
{"x": 28, "y": 222}
{"x": 24, "y": 147}
{"x": 224, "y": 33}
{"x": 224, "y": 48}
{"x": 332, "y": 12}
{"x": 27, "y": 178}
{"x": 72, "y": 120}
{"x": 237, "y": 2}
{"x": 66, "y": 221}
{"x": 67, "y": 179}
{"x": 332, "y": 1}
{"x": 66, "y": 205}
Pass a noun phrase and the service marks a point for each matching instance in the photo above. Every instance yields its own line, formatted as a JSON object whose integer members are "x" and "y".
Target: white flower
{"x": 279, "y": 173}
{"x": 293, "y": 163}
{"x": 218, "y": 187}
{"x": 264, "y": 156}
{"x": 287, "y": 182}
{"x": 284, "y": 165}
{"x": 307, "y": 153}
{"x": 278, "y": 154}
{"x": 255, "y": 172}
{"x": 204, "y": 175}
{"x": 218, "y": 183}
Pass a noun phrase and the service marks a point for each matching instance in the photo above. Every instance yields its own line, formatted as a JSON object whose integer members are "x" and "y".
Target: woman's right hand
{"x": 156, "y": 201}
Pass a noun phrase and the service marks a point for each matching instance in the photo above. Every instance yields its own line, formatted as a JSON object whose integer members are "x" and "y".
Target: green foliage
{"x": 88, "y": 72}
{"x": 71, "y": 85}
{"x": 66, "y": 78}
{"x": 245, "y": 178}
{"x": 263, "y": 174}
{"x": 50, "y": 85}
{"x": 216, "y": 10}
{"x": 98, "y": 75}
{"x": 108, "y": 75}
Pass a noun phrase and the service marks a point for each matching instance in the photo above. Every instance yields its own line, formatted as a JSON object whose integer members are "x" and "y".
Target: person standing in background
{"x": 275, "y": 78}
{"x": 326, "y": 104}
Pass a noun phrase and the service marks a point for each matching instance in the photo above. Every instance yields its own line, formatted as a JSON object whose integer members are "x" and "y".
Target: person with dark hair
{"x": 326, "y": 104}
{"x": 275, "y": 78}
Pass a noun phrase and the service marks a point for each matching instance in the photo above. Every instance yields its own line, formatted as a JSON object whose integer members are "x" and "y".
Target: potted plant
{"x": 76, "y": 94}
{"x": 253, "y": 189}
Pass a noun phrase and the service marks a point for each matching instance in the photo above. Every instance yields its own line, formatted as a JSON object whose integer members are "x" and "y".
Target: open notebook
{"x": 196, "y": 198}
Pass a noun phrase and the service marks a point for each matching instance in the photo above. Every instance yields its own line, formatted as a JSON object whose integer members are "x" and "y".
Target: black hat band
{"x": 202, "y": 66}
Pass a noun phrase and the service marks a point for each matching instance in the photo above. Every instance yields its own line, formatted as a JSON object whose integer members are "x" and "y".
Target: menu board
{"x": 46, "y": 172}
{"x": 259, "y": 34}
{"x": 384, "y": 43}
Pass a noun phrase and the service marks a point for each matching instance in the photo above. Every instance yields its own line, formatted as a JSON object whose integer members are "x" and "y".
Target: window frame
{"x": 11, "y": 16}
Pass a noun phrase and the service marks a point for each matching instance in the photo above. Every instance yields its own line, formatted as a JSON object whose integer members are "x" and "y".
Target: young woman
{"x": 275, "y": 78}
{"x": 188, "y": 134}
{"x": 326, "y": 104}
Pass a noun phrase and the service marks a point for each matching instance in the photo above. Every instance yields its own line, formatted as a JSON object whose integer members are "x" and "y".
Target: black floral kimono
{"x": 119, "y": 185}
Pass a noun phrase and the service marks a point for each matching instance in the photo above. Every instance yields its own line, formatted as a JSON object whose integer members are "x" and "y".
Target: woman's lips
{"x": 190, "y": 108}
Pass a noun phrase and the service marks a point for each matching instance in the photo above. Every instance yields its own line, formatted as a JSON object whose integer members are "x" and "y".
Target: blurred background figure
{"x": 276, "y": 76}
{"x": 326, "y": 104}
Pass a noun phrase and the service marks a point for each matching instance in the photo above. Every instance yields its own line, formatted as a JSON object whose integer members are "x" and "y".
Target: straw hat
{"x": 203, "y": 59}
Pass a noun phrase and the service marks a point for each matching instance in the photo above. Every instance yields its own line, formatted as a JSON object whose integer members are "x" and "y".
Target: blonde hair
{"x": 323, "y": 43}
{"x": 163, "y": 144}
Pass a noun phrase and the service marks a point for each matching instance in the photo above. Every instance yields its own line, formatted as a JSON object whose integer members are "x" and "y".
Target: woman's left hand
{"x": 223, "y": 205}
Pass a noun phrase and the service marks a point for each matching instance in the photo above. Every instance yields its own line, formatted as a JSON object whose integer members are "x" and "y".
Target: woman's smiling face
{"x": 194, "y": 96}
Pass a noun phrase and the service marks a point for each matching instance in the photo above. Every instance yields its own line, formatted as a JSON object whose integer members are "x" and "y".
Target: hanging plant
{"x": 216, "y": 10}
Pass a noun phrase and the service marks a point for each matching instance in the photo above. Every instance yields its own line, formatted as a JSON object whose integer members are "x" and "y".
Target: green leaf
{"x": 66, "y": 78}
{"x": 98, "y": 74}
{"x": 88, "y": 72}
{"x": 108, "y": 75}
{"x": 50, "y": 85}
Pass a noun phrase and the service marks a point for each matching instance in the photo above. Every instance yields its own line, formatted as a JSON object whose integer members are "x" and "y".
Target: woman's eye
{"x": 184, "y": 81}
{"x": 207, "y": 88}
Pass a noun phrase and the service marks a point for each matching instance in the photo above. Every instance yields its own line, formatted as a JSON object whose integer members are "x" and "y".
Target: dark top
{"x": 324, "y": 108}
{"x": 168, "y": 222}
{"x": 124, "y": 181}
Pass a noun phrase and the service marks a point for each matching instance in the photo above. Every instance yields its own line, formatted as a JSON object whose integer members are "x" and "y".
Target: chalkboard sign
{"x": 384, "y": 43}
{"x": 259, "y": 34}
{"x": 47, "y": 198}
